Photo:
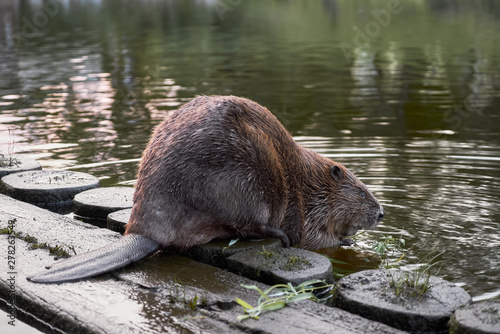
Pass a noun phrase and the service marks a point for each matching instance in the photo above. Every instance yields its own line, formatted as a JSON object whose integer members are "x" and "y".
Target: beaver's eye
{"x": 362, "y": 194}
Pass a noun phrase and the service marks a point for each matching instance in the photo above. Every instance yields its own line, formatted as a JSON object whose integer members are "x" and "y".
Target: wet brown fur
{"x": 223, "y": 166}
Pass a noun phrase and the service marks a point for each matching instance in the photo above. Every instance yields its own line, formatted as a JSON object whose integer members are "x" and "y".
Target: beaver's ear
{"x": 336, "y": 172}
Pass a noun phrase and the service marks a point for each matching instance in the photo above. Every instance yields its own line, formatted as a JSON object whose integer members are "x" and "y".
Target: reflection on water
{"x": 413, "y": 112}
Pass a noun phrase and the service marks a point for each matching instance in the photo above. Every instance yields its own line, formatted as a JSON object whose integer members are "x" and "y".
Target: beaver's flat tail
{"x": 130, "y": 248}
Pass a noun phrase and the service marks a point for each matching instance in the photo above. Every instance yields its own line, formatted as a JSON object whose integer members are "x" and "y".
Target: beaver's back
{"x": 224, "y": 157}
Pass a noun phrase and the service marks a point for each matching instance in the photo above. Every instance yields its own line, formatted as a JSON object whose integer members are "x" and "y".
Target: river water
{"x": 405, "y": 94}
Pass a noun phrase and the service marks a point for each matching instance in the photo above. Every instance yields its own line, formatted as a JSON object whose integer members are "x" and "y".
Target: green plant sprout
{"x": 8, "y": 160}
{"x": 415, "y": 283}
{"x": 267, "y": 254}
{"x": 408, "y": 283}
{"x": 279, "y": 295}
{"x": 391, "y": 245}
{"x": 57, "y": 250}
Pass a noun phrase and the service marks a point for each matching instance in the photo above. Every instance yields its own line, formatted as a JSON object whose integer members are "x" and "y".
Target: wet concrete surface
{"x": 216, "y": 253}
{"x": 479, "y": 318}
{"x": 43, "y": 187}
{"x": 219, "y": 289}
{"x": 100, "y": 202}
{"x": 371, "y": 293}
{"x": 163, "y": 293}
{"x": 117, "y": 221}
{"x": 281, "y": 265}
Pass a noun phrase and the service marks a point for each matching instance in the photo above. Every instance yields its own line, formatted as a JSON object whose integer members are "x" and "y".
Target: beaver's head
{"x": 339, "y": 209}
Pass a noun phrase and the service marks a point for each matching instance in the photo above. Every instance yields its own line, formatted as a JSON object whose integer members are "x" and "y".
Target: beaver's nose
{"x": 381, "y": 214}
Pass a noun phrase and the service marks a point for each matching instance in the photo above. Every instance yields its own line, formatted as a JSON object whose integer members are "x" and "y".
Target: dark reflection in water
{"x": 406, "y": 96}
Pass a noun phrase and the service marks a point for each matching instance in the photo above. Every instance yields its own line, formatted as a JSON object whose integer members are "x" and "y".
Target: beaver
{"x": 225, "y": 167}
